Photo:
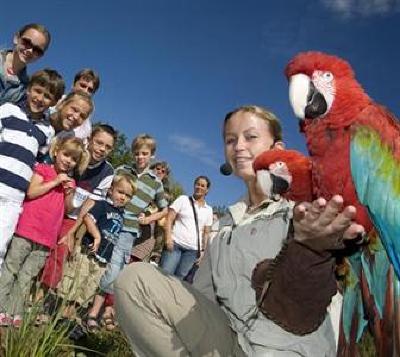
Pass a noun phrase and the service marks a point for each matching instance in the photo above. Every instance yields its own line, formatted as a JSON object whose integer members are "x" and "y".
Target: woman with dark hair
{"x": 187, "y": 230}
{"x": 30, "y": 43}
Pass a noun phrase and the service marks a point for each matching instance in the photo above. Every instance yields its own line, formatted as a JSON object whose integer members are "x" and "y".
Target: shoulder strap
{"x": 197, "y": 225}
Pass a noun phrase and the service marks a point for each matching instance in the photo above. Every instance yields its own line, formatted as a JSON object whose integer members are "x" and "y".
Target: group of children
{"x": 55, "y": 179}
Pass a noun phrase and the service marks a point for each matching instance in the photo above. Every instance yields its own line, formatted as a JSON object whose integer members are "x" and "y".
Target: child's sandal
{"x": 42, "y": 319}
{"x": 91, "y": 324}
{"x": 109, "y": 323}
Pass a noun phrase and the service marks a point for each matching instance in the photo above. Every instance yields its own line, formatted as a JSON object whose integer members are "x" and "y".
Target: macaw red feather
{"x": 329, "y": 139}
{"x": 299, "y": 167}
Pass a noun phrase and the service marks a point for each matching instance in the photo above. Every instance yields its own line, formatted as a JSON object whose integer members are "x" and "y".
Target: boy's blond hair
{"x": 130, "y": 179}
{"x": 144, "y": 140}
{"x": 76, "y": 148}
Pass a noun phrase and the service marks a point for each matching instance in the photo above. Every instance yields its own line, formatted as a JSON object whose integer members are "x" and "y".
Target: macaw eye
{"x": 280, "y": 164}
{"x": 327, "y": 76}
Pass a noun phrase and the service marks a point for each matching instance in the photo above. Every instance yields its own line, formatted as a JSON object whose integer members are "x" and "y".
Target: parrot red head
{"x": 323, "y": 86}
{"x": 275, "y": 167}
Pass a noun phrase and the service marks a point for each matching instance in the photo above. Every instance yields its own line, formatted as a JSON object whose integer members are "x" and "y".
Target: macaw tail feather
{"x": 371, "y": 298}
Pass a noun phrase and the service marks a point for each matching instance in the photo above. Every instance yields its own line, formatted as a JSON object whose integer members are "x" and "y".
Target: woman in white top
{"x": 181, "y": 240}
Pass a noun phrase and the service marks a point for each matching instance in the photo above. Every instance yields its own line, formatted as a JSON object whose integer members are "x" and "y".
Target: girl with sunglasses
{"x": 30, "y": 43}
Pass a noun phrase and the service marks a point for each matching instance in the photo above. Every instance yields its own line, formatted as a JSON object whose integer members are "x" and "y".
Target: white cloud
{"x": 364, "y": 8}
{"x": 195, "y": 148}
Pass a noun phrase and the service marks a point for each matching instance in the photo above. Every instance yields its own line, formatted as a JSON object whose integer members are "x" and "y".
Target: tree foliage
{"x": 121, "y": 154}
{"x": 175, "y": 190}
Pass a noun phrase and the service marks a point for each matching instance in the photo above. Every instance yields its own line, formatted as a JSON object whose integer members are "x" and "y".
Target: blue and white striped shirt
{"x": 21, "y": 139}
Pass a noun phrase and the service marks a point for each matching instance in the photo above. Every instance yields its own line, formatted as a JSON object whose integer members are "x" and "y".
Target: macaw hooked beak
{"x": 305, "y": 99}
{"x": 271, "y": 184}
{"x": 279, "y": 185}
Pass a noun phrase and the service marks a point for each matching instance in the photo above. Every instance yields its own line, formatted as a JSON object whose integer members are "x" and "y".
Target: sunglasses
{"x": 162, "y": 170}
{"x": 28, "y": 44}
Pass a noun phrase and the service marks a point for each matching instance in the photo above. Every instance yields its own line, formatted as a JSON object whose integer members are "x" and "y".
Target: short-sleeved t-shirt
{"x": 21, "y": 139}
{"x": 149, "y": 189}
{"x": 42, "y": 217}
{"x": 93, "y": 183}
{"x": 184, "y": 230}
{"x": 109, "y": 220}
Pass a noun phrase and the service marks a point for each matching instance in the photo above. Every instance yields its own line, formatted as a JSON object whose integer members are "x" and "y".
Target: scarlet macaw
{"x": 284, "y": 172}
{"x": 354, "y": 145}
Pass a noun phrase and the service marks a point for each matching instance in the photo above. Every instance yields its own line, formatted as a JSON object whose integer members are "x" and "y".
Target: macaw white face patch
{"x": 299, "y": 86}
{"x": 324, "y": 82}
{"x": 264, "y": 181}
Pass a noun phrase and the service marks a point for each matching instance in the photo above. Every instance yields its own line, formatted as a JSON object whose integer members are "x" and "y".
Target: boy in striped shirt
{"x": 24, "y": 132}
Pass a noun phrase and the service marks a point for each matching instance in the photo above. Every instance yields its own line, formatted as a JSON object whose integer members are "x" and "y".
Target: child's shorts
{"x": 81, "y": 278}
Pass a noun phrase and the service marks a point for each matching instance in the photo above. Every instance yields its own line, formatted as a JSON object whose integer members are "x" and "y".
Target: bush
{"x": 108, "y": 343}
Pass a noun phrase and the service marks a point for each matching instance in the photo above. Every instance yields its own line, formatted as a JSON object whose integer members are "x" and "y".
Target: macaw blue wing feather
{"x": 352, "y": 299}
{"x": 376, "y": 176}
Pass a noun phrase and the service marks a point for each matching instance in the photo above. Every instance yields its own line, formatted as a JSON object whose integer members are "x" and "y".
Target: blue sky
{"x": 173, "y": 68}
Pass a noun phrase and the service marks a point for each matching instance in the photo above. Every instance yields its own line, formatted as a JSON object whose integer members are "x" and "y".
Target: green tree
{"x": 175, "y": 189}
{"x": 121, "y": 154}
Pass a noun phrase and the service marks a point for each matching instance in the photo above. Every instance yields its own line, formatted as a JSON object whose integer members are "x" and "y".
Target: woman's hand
{"x": 322, "y": 225}
{"x": 169, "y": 244}
{"x": 198, "y": 260}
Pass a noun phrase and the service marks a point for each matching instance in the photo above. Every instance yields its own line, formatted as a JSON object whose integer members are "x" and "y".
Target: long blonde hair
{"x": 74, "y": 95}
{"x": 76, "y": 148}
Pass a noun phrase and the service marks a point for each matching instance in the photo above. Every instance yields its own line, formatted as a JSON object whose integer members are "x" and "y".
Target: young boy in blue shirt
{"x": 104, "y": 222}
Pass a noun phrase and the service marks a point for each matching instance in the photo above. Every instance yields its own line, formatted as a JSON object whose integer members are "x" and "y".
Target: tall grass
{"x": 46, "y": 340}
{"x": 39, "y": 341}
{"x": 51, "y": 339}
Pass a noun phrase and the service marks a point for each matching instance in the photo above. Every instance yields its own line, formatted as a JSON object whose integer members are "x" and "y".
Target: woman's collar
{"x": 243, "y": 206}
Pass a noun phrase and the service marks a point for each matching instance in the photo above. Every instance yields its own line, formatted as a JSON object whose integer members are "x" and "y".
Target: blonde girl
{"x": 71, "y": 112}
{"x": 39, "y": 224}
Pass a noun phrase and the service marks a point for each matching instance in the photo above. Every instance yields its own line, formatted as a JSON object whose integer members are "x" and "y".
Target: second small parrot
{"x": 286, "y": 173}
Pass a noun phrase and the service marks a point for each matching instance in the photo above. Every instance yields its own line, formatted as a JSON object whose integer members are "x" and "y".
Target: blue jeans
{"x": 179, "y": 261}
{"x": 120, "y": 257}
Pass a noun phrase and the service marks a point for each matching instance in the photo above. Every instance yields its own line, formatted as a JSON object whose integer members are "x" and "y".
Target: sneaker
{"x": 5, "y": 319}
{"x": 152, "y": 262}
{"x": 17, "y": 321}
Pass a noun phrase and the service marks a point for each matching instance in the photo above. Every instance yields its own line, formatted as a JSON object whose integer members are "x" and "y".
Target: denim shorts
{"x": 120, "y": 257}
